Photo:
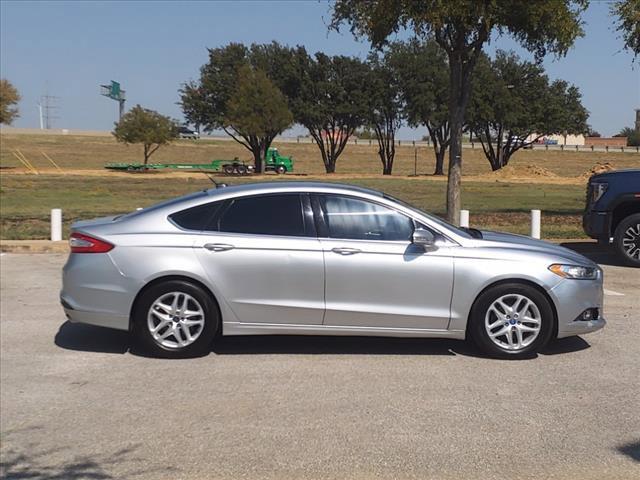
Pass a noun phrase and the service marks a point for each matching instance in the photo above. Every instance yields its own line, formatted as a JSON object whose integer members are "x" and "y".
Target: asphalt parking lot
{"x": 77, "y": 403}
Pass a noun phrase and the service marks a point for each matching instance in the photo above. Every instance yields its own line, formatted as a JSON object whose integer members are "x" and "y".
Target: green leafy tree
{"x": 423, "y": 74}
{"x": 151, "y": 129}
{"x": 256, "y": 112}
{"x": 462, "y": 28}
{"x": 9, "y": 98}
{"x": 332, "y": 102}
{"x": 633, "y": 136}
{"x": 385, "y": 113}
{"x": 628, "y": 23}
{"x": 205, "y": 101}
{"x": 513, "y": 105}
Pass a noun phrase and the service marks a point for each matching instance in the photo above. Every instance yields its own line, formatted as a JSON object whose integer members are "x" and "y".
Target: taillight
{"x": 80, "y": 243}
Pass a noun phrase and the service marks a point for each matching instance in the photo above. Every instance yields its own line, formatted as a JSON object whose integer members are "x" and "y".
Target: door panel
{"x": 266, "y": 279}
{"x": 387, "y": 284}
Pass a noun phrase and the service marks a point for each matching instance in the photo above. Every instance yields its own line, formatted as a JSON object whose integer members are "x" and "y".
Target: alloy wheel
{"x": 175, "y": 320}
{"x": 513, "y": 322}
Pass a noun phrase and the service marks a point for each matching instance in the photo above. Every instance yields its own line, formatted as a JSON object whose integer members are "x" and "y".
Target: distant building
{"x": 557, "y": 139}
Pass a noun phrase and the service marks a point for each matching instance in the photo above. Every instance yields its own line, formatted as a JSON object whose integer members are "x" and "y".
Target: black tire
{"x": 242, "y": 170}
{"x": 228, "y": 169}
{"x": 626, "y": 240}
{"x": 479, "y": 333}
{"x": 281, "y": 169}
{"x": 201, "y": 345}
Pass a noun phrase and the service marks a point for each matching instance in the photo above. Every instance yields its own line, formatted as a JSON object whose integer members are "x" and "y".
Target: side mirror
{"x": 423, "y": 238}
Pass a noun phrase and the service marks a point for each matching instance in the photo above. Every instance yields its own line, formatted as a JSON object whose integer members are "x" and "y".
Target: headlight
{"x": 574, "y": 271}
{"x": 598, "y": 191}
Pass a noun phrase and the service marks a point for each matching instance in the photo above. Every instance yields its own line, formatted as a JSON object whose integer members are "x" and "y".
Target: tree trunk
{"x": 439, "y": 160}
{"x": 455, "y": 168}
{"x": 146, "y": 154}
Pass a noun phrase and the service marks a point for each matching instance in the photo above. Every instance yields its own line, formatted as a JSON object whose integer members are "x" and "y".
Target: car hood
{"x": 521, "y": 242}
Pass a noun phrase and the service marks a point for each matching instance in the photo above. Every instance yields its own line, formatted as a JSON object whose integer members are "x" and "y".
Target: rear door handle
{"x": 345, "y": 250}
{"x": 218, "y": 247}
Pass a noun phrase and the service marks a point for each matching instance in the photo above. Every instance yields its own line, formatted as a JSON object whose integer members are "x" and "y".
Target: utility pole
{"x": 638, "y": 120}
{"x": 114, "y": 92}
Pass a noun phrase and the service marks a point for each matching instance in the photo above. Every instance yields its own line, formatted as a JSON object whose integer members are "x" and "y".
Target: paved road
{"x": 75, "y": 403}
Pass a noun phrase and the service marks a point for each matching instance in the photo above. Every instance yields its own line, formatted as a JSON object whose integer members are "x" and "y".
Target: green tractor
{"x": 273, "y": 162}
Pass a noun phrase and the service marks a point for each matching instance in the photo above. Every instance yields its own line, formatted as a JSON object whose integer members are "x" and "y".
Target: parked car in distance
{"x": 612, "y": 212}
{"x": 308, "y": 258}
{"x": 186, "y": 132}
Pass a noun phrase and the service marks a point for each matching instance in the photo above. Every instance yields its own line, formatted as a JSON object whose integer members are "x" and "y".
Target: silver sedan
{"x": 302, "y": 258}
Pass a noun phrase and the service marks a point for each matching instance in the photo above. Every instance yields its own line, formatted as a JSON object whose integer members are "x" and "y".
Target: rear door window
{"x": 264, "y": 215}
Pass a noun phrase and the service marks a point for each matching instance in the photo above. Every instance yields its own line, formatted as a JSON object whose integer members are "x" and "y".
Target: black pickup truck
{"x": 612, "y": 213}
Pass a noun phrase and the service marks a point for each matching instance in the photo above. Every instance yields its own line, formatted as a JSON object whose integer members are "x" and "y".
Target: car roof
{"x": 290, "y": 186}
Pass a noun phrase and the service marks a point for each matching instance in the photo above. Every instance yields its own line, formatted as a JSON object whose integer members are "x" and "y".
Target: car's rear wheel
{"x": 281, "y": 169}
{"x": 511, "y": 320}
{"x": 176, "y": 319}
{"x": 627, "y": 239}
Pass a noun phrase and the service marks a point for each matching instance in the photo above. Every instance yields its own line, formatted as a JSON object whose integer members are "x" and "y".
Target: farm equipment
{"x": 274, "y": 162}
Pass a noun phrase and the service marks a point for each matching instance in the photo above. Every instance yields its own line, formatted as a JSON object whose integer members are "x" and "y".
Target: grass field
{"x": 496, "y": 201}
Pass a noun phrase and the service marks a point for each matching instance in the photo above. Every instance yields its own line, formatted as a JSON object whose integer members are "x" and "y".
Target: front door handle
{"x": 345, "y": 250}
{"x": 218, "y": 247}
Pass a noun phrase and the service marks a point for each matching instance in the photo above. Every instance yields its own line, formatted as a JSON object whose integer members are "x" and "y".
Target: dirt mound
{"x": 599, "y": 168}
{"x": 523, "y": 171}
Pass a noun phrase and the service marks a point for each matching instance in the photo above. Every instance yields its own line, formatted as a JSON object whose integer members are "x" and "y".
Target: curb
{"x": 33, "y": 246}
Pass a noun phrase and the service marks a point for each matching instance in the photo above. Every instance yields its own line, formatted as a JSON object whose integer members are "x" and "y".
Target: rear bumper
{"x": 100, "y": 319}
{"x": 94, "y": 291}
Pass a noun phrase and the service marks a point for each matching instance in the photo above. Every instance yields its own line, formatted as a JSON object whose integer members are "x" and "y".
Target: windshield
{"x": 443, "y": 223}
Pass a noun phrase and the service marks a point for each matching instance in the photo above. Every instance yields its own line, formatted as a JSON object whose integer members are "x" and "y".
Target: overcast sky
{"x": 68, "y": 49}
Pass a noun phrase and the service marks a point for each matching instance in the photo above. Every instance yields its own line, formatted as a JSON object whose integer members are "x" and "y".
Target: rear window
{"x": 264, "y": 215}
{"x": 196, "y": 218}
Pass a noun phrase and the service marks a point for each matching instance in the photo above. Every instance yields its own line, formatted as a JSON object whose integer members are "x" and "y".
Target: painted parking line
{"x": 611, "y": 293}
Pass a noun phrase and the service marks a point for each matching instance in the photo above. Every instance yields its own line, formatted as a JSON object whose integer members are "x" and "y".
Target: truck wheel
{"x": 281, "y": 169}
{"x": 627, "y": 239}
{"x": 242, "y": 170}
{"x": 228, "y": 169}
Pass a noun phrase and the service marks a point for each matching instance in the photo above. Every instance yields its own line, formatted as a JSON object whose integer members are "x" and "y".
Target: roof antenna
{"x": 213, "y": 180}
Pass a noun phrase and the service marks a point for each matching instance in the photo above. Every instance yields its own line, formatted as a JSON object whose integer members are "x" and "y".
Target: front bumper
{"x": 597, "y": 225}
{"x": 572, "y": 297}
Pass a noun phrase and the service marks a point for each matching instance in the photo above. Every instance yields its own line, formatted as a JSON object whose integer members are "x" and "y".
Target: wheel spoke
{"x": 525, "y": 328}
{"x": 160, "y": 325}
{"x": 519, "y": 337}
{"x": 500, "y": 332}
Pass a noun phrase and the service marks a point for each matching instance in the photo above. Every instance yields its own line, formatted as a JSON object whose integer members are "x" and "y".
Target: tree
{"x": 256, "y": 112}
{"x": 9, "y": 98}
{"x": 423, "y": 74}
{"x": 591, "y": 132}
{"x": 205, "y": 101}
{"x": 628, "y": 23}
{"x": 461, "y": 28}
{"x": 513, "y": 105}
{"x": 384, "y": 109}
{"x": 633, "y": 136}
{"x": 332, "y": 102}
{"x": 151, "y": 129}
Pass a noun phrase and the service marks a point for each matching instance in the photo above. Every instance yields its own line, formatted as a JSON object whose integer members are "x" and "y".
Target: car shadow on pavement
{"x": 631, "y": 450}
{"x": 601, "y": 254}
{"x": 87, "y": 338}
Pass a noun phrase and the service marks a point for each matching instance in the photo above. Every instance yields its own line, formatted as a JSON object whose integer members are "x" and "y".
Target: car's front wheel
{"x": 627, "y": 239}
{"x": 176, "y": 319}
{"x": 511, "y": 320}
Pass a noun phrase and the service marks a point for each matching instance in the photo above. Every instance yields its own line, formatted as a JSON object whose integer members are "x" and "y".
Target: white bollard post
{"x": 56, "y": 225}
{"x": 535, "y": 223}
{"x": 464, "y": 218}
